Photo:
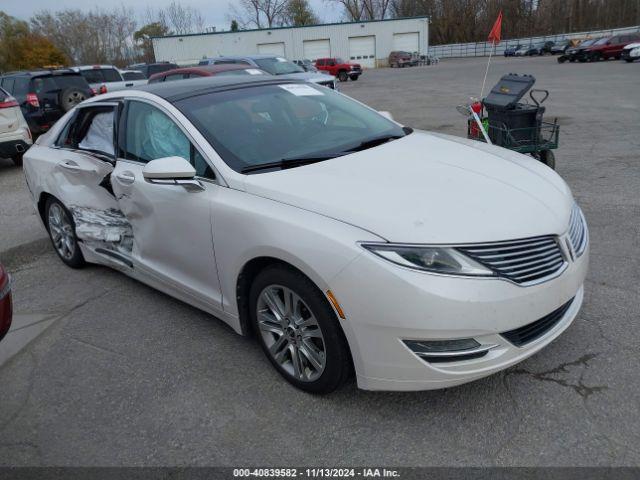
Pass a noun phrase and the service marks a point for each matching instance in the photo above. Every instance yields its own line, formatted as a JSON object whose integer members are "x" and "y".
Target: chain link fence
{"x": 482, "y": 49}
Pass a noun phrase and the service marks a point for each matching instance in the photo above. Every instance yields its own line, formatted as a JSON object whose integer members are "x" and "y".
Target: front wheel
{"x": 354, "y": 77}
{"x": 298, "y": 330}
{"x": 62, "y": 231}
{"x": 342, "y": 76}
{"x": 548, "y": 158}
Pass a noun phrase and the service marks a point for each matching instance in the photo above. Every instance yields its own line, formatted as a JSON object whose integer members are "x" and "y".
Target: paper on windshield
{"x": 301, "y": 90}
{"x": 280, "y": 59}
{"x": 254, "y": 71}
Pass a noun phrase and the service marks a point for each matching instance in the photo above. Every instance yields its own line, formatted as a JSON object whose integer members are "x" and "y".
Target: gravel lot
{"x": 128, "y": 376}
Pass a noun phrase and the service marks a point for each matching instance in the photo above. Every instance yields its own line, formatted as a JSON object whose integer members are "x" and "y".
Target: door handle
{"x": 128, "y": 84}
{"x": 126, "y": 178}
{"x": 72, "y": 166}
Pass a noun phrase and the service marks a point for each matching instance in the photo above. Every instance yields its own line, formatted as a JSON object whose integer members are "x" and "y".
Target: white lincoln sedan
{"x": 340, "y": 239}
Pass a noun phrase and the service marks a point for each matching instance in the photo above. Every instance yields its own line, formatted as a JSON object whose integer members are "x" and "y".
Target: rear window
{"x": 43, "y": 85}
{"x": 101, "y": 75}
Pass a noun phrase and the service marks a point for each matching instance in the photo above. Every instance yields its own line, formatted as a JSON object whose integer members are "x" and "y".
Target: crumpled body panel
{"x": 108, "y": 226}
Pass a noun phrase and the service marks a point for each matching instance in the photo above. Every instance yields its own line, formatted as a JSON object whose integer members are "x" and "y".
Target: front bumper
{"x": 386, "y": 304}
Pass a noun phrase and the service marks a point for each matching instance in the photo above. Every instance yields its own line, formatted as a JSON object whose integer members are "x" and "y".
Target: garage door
{"x": 406, "y": 42}
{"x": 272, "y": 48}
{"x": 314, "y": 49}
{"x": 362, "y": 50}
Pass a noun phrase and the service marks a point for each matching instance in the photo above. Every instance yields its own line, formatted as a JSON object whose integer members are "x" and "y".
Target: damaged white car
{"x": 341, "y": 239}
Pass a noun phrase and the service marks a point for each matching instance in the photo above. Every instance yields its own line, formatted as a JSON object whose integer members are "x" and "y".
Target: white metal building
{"x": 368, "y": 43}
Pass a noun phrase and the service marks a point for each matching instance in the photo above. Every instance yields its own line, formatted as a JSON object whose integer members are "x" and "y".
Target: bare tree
{"x": 259, "y": 13}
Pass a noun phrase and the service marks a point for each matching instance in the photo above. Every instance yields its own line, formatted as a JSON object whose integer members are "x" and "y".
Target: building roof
{"x": 288, "y": 28}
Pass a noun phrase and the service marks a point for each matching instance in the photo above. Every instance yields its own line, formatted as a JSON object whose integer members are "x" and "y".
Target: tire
{"x": 561, "y": 59}
{"x": 62, "y": 231}
{"x": 70, "y": 97}
{"x": 342, "y": 76}
{"x": 324, "y": 337}
{"x": 572, "y": 60}
{"x": 628, "y": 60}
{"x": 548, "y": 158}
{"x": 354, "y": 77}
{"x": 17, "y": 159}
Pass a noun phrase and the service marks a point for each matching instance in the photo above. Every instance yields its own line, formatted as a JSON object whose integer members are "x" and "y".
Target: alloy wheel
{"x": 291, "y": 333}
{"x": 61, "y": 231}
{"x": 74, "y": 98}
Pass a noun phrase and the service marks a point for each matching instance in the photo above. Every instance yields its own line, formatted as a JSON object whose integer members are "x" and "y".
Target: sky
{"x": 214, "y": 11}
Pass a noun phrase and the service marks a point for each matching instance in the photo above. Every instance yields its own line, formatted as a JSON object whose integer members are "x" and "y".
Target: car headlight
{"x": 635, "y": 52}
{"x": 444, "y": 260}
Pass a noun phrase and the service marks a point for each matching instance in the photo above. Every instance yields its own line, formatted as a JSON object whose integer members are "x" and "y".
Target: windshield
{"x": 278, "y": 66}
{"x": 586, "y": 43}
{"x": 602, "y": 41}
{"x": 269, "y": 123}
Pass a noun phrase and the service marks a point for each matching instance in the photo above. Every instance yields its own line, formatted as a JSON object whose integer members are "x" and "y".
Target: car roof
{"x": 212, "y": 69}
{"x": 40, "y": 73}
{"x": 181, "y": 89}
{"x": 91, "y": 67}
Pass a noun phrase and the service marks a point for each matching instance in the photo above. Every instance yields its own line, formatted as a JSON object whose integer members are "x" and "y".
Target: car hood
{"x": 632, "y": 45}
{"x": 428, "y": 188}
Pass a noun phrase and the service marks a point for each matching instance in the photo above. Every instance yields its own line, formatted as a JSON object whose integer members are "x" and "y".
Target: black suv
{"x": 45, "y": 95}
{"x": 149, "y": 69}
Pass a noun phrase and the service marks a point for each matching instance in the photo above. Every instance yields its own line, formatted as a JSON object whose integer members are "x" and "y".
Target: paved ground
{"x": 128, "y": 376}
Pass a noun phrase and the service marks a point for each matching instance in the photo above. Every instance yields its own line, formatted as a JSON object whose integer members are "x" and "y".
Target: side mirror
{"x": 172, "y": 171}
{"x": 168, "y": 168}
{"x": 386, "y": 115}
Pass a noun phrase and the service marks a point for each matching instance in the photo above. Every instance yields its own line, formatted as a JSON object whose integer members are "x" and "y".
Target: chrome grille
{"x": 577, "y": 231}
{"x": 522, "y": 261}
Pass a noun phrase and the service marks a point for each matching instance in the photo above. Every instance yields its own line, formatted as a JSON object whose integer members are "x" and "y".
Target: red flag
{"x": 494, "y": 35}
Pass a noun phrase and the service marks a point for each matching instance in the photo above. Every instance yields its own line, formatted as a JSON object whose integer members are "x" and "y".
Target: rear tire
{"x": 301, "y": 336}
{"x": 62, "y": 231}
{"x": 342, "y": 76}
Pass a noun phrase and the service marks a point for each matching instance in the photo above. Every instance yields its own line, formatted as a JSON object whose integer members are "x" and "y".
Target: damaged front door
{"x": 86, "y": 159}
{"x": 172, "y": 235}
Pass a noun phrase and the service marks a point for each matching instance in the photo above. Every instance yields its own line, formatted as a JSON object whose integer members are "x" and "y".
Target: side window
{"x": 7, "y": 84}
{"x": 151, "y": 134}
{"x": 91, "y": 130}
{"x": 93, "y": 75}
{"x": 175, "y": 76}
{"x": 111, "y": 75}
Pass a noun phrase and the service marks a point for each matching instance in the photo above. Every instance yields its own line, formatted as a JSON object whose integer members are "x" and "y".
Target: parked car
{"x": 274, "y": 65}
{"x": 149, "y": 69}
{"x": 530, "y": 50}
{"x": 339, "y": 68}
{"x": 330, "y": 274}
{"x": 6, "y": 307}
{"x": 306, "y": 64}
{"x": 511, "y": 51}
{"x": 560, "y": 47}
{"x": 45, "y": 95}
{"x": 399, "y": 59}
{"x": 631, "y": 52}
{"x": 576, "y": 53}
{"x": 15, "y": 136}
{"x": 132, "y": 75}
{"x": 607, "y": 48}
{"x": 205, "y": 71}
{"x": 546, "y": 47}
{"x": 105, "y": 78}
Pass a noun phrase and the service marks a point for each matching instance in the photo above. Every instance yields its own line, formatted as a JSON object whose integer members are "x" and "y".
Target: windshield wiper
{"x": 375, "y": 141}
{"x": 291, "y": 162}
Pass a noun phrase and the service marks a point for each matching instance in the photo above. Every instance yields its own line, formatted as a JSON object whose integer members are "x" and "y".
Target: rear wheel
{"x": 342, "y": 76}
{"x": 62, "y": 231}
{"x": 298, "y": 330}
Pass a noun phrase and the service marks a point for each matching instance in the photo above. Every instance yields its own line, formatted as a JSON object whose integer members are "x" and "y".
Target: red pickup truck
{"x": 339, "y": 68}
